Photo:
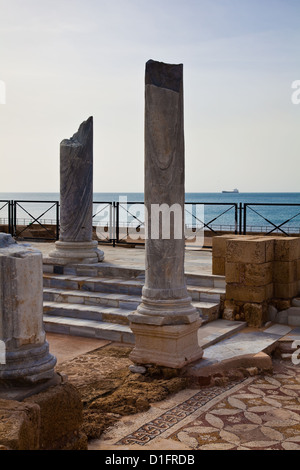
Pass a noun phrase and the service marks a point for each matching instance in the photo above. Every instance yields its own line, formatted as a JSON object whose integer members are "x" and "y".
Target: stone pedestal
{"x": 165, "y": 324}
{"x": 75, "y": 243}
{"x": 25, "y": 358}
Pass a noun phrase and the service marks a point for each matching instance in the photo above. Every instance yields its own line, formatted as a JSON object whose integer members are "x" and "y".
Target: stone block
{"x": 60, "y": 418}
{"x": 256, "y": 294}
{"x": 219, "y": 245}
{"x": 218, "y": 266}
{"x": 285, "y": 271}
{"x": 255, "y": 314}
{"x": 19, "y": 425}
{"x": 256, "y": 274}
{"x": 286, "y": 248}
{"x": 232, "y": 272}
{"x": 298, "y": 269}
{"x": 169, "y": 345}
{"x": 286, "y": 290}
{"x": 254, "y": 250}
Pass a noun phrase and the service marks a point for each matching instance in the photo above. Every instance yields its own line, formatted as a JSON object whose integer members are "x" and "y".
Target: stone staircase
{"x": 95, "y": 301}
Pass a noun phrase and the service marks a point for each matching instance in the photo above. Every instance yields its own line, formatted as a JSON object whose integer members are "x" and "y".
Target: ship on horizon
{"x": 235, "y": 190}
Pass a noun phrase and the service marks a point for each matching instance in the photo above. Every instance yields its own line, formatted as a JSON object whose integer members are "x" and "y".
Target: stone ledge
{"x": 229, "y": 369}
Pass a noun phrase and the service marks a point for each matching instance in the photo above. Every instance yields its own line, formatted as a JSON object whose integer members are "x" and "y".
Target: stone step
{"x": 88, "y": 328}
{"x": 208, "y": 298}
{"x": 88, "y": 312}
{"x": 108, "y": 271}
{"x": 240, "y": 343}
{"x": 208, "y": 294}
{"x": 218, "y": 330}
{"x": 91, "y": 298}
{"x": 122, "y": 286}
{"x": 205, "y": 280}
{"x": 94, "y": 284}
{"x": 96, "y": 270}
{"x": 109, "y": 307}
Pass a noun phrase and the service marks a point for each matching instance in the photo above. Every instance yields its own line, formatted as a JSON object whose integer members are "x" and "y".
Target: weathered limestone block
{"x": 286, "y": 290}
{"x": 256, "y": 294}
{"x": 255, "y": 314}
{"x": 219, "y": 244}
{"x": 76, "y": 199}
{"x": 255, "y": 251}
{"x": 257, "y": 274}
{"x": 285, "y": 271}
{"x": 60, "y": 418}
{"x": 19, "y": 425}
{"x": 249, "y": 274}
{"x": 49, "y": 420}
{"x": 27, "y": 359}
{"x": 218, "y": 266}
{"x": 233, "y": 273}
{"x": 286, "y": 248}
{"x": 165, "y": 315}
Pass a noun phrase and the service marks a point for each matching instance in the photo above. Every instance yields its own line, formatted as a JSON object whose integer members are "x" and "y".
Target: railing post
{"x": 114, "y": 223}
{"x": 245, "y": 219}
{"x": 236, "y": 218}
{"x": 240, "y": 217}
{"x": 57, "y": 220}
{"x": 117, "y": 221}
{"x": 14, "y": 221}
{"x": 10, "y": 217}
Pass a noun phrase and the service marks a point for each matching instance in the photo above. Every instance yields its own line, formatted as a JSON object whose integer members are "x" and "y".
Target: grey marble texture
{"x": 25, "y": 357}
{"x": 164, "y": 293}
{"x": 76, "y": 185}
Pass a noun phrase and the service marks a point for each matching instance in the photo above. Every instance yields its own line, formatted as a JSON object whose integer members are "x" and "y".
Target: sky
{"x": 62, "y": 61}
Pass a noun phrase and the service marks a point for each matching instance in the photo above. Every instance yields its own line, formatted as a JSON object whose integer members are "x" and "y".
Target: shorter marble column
{"x": 75, "y": 244}
{"x": 25, "y": 358}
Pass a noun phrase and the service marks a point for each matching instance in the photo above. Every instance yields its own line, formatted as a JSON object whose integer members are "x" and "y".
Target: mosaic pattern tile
{"x": 258, "y": 413}
{"x": 157, "y": 426}
{"x": 264, "y": 414}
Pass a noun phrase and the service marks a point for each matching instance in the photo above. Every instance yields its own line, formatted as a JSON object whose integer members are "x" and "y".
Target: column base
{"x": 165, "y": 345}
{"x": 77, "y": 252}
{"x": 25, "y": 366}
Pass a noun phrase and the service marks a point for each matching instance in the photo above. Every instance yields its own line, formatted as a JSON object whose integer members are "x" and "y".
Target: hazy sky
{"x": 65, "y": 60}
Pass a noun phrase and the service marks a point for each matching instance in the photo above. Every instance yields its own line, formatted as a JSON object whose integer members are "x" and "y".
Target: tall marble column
{"x": 76, "y": 199}
{"x": 165, "y": 324}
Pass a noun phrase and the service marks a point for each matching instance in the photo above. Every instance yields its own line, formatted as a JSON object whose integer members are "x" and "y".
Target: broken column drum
{"x": 25, "y": 358}
{"x": 76, "y": 199}
{"x": 166, "y": 323}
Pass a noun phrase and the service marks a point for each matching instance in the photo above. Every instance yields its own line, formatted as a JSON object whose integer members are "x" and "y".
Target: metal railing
{"x": 279, "y": 224}
{"x": 124, "y": 222}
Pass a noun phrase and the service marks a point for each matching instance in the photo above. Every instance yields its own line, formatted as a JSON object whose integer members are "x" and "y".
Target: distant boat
{"x": 231, "y": 191}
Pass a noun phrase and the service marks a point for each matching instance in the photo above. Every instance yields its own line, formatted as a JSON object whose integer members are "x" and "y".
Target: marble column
{"x": 76, "y": 199}
{"x": 165, "y": 324}
{"x": 25, "y": 358}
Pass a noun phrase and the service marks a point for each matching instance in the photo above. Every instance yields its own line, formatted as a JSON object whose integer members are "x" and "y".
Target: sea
{"x": 263, "y": 212}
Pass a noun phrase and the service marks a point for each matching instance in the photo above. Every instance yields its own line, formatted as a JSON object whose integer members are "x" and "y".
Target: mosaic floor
{"x": 261, "y": 412}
